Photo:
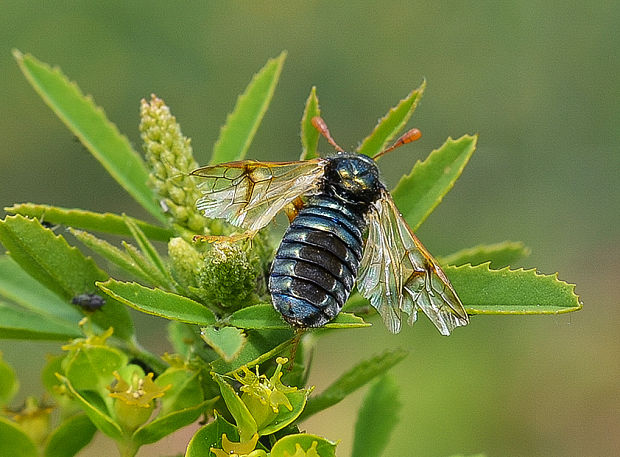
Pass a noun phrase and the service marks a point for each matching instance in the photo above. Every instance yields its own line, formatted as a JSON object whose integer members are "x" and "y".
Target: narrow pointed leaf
{"x": 418, "y": 193}
{"x": 505, "y": 291}
{"x": 87, "y": 220}
{"x": 14, "y": 442}
{"x": 89, "y": 123}
{"x": 63, "y": 269}
{"x": 147, "y": 248}
{"x": 72, "y": 435}
{"x": 243, "y": 418}
{"x": 19, "y": 287}
{"x": 376, "y": 419}
{"x": 499, "y": 254}
{"x": 158, "y": 302}
{"x": 352, "y": 380}
{"x": 391, "y": 124}
{"x": 241, "y": 125}
{"x": 226, "y": 341}
{"x": 151, "y": 271}
{"x": 19, "y": 324}
{"x": 111, "y": 253}
{"x": 310, "y": 135}
{"x": 100, "y": 418}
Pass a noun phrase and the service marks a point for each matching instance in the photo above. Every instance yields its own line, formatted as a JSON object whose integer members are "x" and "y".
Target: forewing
{"x": 397, "y": 274}
{"x": 249, "y": 194}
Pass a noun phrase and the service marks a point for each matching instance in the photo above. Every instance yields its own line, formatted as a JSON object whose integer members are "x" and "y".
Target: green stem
{"x": 127, "y": 448}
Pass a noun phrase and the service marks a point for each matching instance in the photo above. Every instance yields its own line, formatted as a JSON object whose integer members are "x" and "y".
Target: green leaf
{"x": 241, "y": 125}
{"x": 95, "y": 412}
{"x": 352, "y": 380}
{"x": 14, "y": 442}
{"x": 418, "y": 193}
{"x": 310, "y": 135}
{"x": 376, "y": 418}
{"x": 149, "y": 270}
{"x": 165, "y": 425}
{"x": 87, "y": 220}
{"x": 63, "y": 269}
{"x": 158, "y": 302}
{"x": 19, "y": 287}
{"x": 72, "y": 435}
{"x": 505, "y": 291}
{"x": 392, "y": 123}
{"x": 287, "y": 446}
{"x": 19, "y": 324}
{"x": 226, "y": 341}
{"x": 91, "y": 367}
{"x": 111, "y": 253}
{"x": 264, "y": 316}
{"x": 185, "y": 390}
{"x": 149, "y": 252}
{"x": 243, "y": 418}
{"x": 499, "y": 254}
{"x": 9, "y": 385}
{"x": 285, "y": 416}
{"x": 89, "y": 123}
{"x": 260, "y": 346}
{"x": 211, "y": 436}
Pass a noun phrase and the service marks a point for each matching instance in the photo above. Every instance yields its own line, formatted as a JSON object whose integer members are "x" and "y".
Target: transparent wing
{"x": 249, "y": 194}
{"x": 397, "y": 274}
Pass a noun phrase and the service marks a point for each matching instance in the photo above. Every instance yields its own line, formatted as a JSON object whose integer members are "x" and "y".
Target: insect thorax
{"x": 353, "y": 179}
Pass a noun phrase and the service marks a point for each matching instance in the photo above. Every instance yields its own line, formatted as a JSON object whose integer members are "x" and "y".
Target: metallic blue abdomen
{"x": 316, "y": 264}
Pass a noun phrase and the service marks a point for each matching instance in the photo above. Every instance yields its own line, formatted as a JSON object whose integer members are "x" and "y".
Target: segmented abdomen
{"x": 316, "y": 264}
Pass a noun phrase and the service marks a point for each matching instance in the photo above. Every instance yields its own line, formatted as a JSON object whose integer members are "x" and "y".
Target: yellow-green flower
{"x": 34, "y": 419}
{"x": 241, "y": 449}
{"x": 299, "y": 452}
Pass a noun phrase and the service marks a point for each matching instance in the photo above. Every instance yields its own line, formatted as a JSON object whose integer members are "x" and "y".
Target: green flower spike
{"x": 170, "y": 159}
{"x": 241, "y": 449}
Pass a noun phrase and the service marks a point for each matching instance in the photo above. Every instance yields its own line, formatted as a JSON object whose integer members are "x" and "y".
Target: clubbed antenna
{"x": 408, "y": 137}
{"x": 321, "y": 126}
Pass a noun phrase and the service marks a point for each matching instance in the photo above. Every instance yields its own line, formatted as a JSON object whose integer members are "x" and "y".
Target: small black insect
{"x": 89, "y": 302}
{"x": 346, "y": 227}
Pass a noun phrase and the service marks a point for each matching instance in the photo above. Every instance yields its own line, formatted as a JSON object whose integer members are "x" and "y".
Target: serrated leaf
{"x": 19, "y": 324}
{"x": 376, "y": 418}
{"x": 226, "y": 341}
{"x": 72, "y": 435}
{"x": 149, "y": 270}
{"x": 505, "y": 291}
{"x": 499, "y": 254}
{"x": 241, "y": 125}
{"x": 310, "y": 135}
{"x": 63, "y": 269}
{"x": 352, "y": 380}
{"x": 391, "y": 124}
{"x": 89, "y": 123}
{"x": 211, "y": 436}
{"x": 14, "y": 442}
{"x": 111, "y": 253}
{"x": 158, "y": 302}
{"x": 87, "y": 220}
{"x": 418, "y": 193}
{"x": 288, "y": 446}
{"x": 264, "y": 316}
{"x": 243, "y": 418}
{"x": 21, "y": 288}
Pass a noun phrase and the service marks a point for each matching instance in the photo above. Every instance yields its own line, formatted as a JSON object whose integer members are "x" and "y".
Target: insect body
{"x": 324, "y": 250}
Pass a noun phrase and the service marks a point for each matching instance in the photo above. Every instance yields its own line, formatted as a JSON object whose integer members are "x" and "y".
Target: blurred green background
{"x": 537, "y": 80}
